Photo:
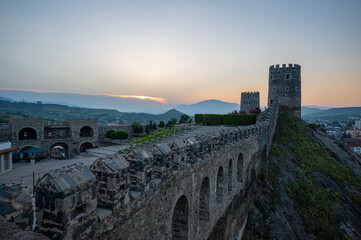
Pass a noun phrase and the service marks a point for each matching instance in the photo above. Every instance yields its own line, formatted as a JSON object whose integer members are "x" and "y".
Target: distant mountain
{"x": 208, "y": 106}
{"x": 334, "y": 114}
{"x": 61, "y": 112}
{"x": 123, "y": 104}
{"x": 6, "y": 99}
{"x": 306, "y": 110}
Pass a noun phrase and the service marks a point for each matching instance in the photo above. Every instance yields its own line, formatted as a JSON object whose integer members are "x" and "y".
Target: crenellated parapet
{"x": 122, "y": 183}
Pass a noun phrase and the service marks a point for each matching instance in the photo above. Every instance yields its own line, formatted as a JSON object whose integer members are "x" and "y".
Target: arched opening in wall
{"x": 59, "y": 151}
{"x": 219, "y": 189}
{"x": 27, "y": 134}
{"x": 83, "y": 147}
{"x": 240, "y": 167}
{"x": 230, "y": 176}
{"x": 86, "y": 131}
{"x": 180, "y": 219}
{"x": 204, "y": 201}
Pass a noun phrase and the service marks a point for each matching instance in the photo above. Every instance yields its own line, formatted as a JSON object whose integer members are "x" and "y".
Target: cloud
{"x": 155, "y": 99}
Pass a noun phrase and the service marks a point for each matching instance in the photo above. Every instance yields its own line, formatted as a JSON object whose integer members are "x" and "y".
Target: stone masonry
{"x": 285, "y": 88}
{"x": 72, "y": 134}
{"x": 249, "y": 101}
{"x": 196, "y": 186}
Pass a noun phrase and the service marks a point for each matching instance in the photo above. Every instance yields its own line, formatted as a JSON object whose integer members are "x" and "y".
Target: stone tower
{"x": 285, "y": 88}
{"x": 249, "y": 101}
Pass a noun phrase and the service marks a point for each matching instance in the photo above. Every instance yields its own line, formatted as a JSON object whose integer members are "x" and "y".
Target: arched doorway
{"x": 59, "y": 151}
{"x": 86, "y": 131}
{"x": 204, "y": 201}
{"x": 27, "y": 134}
{"x": 180, "y": 219}
{"x": 219, "y": 189}
{"x": 230, "y": 176}
{"x": 84, "y": 146}
{"x": 240, "y": 167}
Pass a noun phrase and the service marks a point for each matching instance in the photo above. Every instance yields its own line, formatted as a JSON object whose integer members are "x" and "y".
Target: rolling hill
{"x": 61, "y": 112}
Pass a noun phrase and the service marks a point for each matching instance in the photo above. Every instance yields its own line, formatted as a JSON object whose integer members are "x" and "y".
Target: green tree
{"x": 137, "y": 127}
{"x": 174, "y": 120}
{"x": 184, "y": 118}
{"x": 161, "y": 124}
{"x": 154, "y": 126}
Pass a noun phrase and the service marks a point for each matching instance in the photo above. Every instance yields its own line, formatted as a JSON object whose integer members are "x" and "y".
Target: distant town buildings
{"x": 353, "y": 133}
{"x": 358, "y": 124}
{"x": 354, "y": 144}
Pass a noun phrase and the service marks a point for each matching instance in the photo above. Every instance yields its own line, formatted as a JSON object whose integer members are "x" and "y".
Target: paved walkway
{"x": 22, "y": 172}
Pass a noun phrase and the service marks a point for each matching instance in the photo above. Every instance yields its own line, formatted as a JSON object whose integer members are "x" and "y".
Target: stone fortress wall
{"x": 178, "y": 188}
{"x": 70, "y": 134}
{"x": 196, "y": 186}
{"x": 249, "y": 101}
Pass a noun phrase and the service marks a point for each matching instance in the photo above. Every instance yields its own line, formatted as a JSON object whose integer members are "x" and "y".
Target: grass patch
{"x": 314, "y": 203}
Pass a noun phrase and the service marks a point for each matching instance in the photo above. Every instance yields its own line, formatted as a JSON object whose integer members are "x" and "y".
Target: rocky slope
{"x": 312, "y": 189}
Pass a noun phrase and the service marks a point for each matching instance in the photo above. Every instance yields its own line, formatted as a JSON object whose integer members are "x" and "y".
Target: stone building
{"x": 285, "y": 88}
{"x": 249, "y": 101}
{"x": 73, "y": 135}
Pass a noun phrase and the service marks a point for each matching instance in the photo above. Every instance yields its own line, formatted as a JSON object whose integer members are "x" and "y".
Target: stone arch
{"x": 84, "y": 146}
{"x": 230, "y": 176}
{"x": 240, "y": 167}
{"x": 180, "y": 219}
{"x": 204, "y": 201}
{"x": 86, "y": 131}
{"x": 27, "y": 133}
{"x": 219, "y": 189}
{"x": 59, "y": 150}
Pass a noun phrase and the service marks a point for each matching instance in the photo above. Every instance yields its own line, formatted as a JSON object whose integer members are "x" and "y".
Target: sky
{"x": 181, "y": 52}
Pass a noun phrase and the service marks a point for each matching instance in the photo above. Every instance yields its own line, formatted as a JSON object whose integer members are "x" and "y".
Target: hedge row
{"x": 116, "y": 134}
{"x": 226, "y": 119}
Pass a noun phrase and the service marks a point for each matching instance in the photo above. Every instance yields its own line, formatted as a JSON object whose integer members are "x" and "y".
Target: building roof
{"x": 352, "y": 140}
{"x": 8, "y": 150}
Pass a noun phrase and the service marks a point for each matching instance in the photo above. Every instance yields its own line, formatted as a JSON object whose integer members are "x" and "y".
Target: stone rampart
{"x": 177, "y": 189}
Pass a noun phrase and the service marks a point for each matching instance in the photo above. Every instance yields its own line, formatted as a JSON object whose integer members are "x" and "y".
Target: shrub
{"x": 121, "y": 134}
{"x": 226, "y": 119}
{"x": 198, "y": 118}
{"x": 239, "y": 119}
{"x": 212, "y": 119}
{"x": 110, "y": 134}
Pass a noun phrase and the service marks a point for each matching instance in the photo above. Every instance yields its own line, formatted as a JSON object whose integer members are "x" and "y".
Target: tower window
{"x": 288, "y": 76}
